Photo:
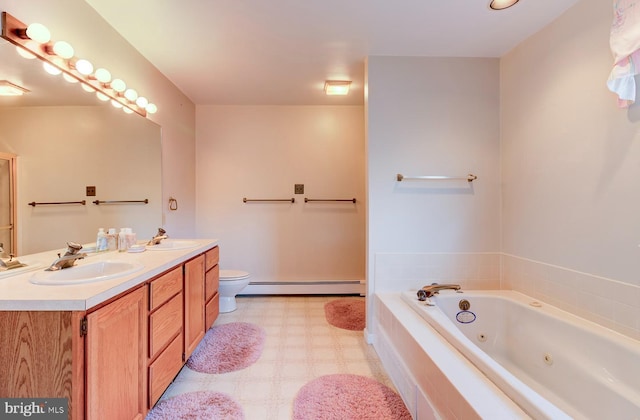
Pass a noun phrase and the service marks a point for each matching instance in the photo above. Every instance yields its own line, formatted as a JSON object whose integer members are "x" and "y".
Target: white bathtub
{"x": 552, "y": 364}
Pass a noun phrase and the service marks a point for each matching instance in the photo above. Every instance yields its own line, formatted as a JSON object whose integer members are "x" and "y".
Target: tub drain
{"x": 548, "y": 359}
{"x": 482, "y": 337}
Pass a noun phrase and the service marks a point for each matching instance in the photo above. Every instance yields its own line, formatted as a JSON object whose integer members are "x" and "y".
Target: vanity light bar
{"x": 35, "y": 39}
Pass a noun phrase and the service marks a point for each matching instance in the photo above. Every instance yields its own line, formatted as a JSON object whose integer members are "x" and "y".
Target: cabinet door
{"x": 193, "y": 304}
{"x": 116, "y": 354}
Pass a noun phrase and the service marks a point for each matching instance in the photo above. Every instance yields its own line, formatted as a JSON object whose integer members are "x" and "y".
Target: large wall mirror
{"x": 65, "y": 139}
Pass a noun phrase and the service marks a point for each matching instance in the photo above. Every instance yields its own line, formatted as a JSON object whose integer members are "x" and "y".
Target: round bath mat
{"x": 345, "y": 396}
{"x": 197, "y": 405}
{"x": 228, "y": 347}
{"x": 346, "y": 313}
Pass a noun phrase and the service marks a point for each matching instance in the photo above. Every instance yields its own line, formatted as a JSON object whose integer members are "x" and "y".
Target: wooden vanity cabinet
{"x": 211, "y": 285}
{"x": 166, "y": 317}
{"x": 116, "y": 358}
{"x": 193, "y": 303}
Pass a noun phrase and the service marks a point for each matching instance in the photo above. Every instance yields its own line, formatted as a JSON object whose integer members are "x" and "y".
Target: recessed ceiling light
{"x": 501, "y": 4}
{"x": 9, "y": 89}
{"x": 337, "y": 87}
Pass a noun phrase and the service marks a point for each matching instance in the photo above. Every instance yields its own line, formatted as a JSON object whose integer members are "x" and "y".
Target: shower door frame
{"x": 12, "y": 159}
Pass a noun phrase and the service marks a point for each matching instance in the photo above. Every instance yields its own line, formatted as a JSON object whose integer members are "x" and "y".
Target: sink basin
{"x": 86, "y": 273}
{"x": 172, "y": 245}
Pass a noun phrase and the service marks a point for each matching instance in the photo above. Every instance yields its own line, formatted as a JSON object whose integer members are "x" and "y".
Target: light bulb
{"x": 131, "y": 95}
{"x": 102, "y": 96}
{"x": 501, "y": 4}
{"x": 151, "y": 108}
{"x": 63, "y": 49}
{"x": 51, "y": 69}
{"x": 118, "y": 85}
{"x": 142, "y": 102}
{"x": 38, "y": 33}
{"x": 88, "y": 88}
{"x": 127, "y": 110}
{"x": 103, "y": 75}
{"x": 69, "y": 79}
{"x": 84, "y": 67}
{"x": 116, "y": 104}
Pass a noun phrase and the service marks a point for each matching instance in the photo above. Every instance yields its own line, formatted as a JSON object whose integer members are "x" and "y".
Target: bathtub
{"x": 550, "y": 363}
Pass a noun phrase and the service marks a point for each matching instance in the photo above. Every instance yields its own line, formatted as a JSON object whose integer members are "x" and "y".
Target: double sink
{"x": 88, "y": 272}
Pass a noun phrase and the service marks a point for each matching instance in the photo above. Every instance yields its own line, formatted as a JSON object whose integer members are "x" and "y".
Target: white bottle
{"x": 101, "y": 241}
{"x": 112, "y": 239}
{"x": 122, "y": 240}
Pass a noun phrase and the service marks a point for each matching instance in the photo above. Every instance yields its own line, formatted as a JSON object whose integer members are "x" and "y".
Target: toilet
{"x": 231, "y": 283}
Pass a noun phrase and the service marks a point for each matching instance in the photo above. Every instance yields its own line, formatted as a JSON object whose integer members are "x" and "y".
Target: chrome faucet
{"x": 433, "y": 288}
{"x": 69, "y": 258}
{"x": 162, "y": 234}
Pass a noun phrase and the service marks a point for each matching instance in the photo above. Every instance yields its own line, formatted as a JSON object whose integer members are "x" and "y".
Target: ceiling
{"x": 280, "y": 52}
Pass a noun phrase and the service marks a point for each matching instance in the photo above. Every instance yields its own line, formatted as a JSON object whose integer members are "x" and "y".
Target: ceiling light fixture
{"x": 337, "y": 87}
{"x": 35, "y": 39}
{"x": 9, "y": 89}
{"x": 502, "y": 4}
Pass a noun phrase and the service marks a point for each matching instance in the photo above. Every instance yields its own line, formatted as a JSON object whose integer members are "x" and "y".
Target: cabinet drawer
{"x": 212, "y": 311}
{"x": 212, "y": 257}
{"x": 164, "y": 324}
{"x": 164, "y": 369}
{"x": 164, "y": 287}
{"x": 211, "y": 282}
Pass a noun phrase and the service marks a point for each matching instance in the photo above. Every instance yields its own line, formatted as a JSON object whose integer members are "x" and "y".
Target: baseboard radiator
{"x": 323, "y": 287}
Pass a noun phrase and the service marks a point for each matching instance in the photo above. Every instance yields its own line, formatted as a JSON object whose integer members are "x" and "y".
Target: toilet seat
{"x": 233, "y": 275}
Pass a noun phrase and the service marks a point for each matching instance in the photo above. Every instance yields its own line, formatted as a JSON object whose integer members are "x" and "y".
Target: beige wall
{"x": 570, "y": 165}
{"x": 261, "y": 152}
{"x": 76, "y": 22}
{"x": 432, "y": 116}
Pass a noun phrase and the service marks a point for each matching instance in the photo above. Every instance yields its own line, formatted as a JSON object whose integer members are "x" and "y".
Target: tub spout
{"x": 428, "y": 291}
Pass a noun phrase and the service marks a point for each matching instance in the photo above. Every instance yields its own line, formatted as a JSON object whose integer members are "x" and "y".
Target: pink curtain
{"x": 625, "y": 46}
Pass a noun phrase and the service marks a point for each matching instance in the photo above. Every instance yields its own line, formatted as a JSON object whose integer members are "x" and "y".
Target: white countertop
{"x": 17, "y": 293}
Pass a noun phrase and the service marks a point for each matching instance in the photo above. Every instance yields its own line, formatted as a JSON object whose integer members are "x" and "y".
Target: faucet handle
{"x": 73, "y": 247}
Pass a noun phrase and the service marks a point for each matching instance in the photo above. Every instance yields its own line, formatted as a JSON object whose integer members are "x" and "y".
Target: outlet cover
{"x": 91, "y": 191}
{"x": 298, "y": 189}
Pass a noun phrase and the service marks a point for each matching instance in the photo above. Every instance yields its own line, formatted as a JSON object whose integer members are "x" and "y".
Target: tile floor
{"x": 300, "y": 346}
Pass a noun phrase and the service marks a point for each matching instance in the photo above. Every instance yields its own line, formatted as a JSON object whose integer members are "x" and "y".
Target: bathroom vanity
{"x": 111, "y": 346}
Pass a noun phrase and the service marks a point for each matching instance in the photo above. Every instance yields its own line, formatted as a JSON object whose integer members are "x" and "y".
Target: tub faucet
{"x": 162, "y": 234}
{"x": 433, "y": 288}
{"x": 69, "y": 258}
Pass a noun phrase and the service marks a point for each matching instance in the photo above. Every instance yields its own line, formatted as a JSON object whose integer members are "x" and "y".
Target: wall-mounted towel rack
{"x": 290, "y": 200}
{"x": 33, "y": 203}
{"x": 98, "y": 202}
{"x": 470, "y": 177}
{"x": 352, "y": 200}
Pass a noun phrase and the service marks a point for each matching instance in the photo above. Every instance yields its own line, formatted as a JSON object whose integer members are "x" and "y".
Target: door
{"x": 7, "y": 204}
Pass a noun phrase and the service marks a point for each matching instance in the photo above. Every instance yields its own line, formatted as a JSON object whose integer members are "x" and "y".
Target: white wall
{"x": 260, "y": 152}
{"x": 76, "y": 22}
{"x": 432, "y": 116}
{"x": 570, "y": 165}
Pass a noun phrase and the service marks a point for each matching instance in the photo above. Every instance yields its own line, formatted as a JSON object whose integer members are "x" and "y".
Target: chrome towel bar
{"x": 352, "y": 200}
{"x": 290, "y": 200}
{"x": 469, "y": 178}
{"x": 33, "y": 203}
{"x": 98, "y": 202}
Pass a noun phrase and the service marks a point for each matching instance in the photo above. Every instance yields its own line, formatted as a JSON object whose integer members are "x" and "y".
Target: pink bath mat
{"x": 346, "y": 313}
{"x": 342, "y": 397}
{"x": 228, "y": 347}
{"x": 197, "y": 405}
